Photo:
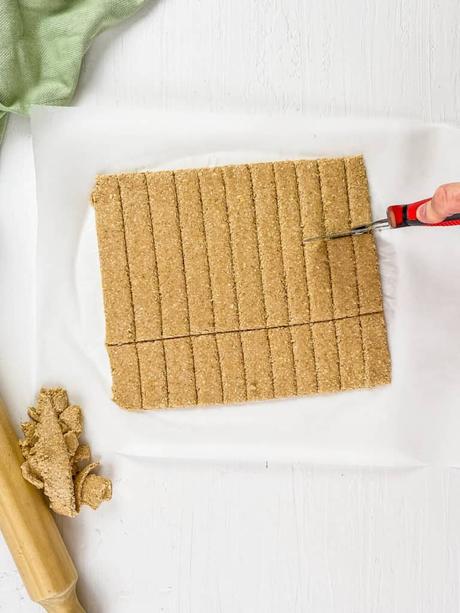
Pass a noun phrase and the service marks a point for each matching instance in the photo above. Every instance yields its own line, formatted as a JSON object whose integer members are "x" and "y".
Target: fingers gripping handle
{"x": 401, "y": 215}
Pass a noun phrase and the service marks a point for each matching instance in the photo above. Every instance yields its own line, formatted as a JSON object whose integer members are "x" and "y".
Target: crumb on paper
{"x": 54, "y": 456}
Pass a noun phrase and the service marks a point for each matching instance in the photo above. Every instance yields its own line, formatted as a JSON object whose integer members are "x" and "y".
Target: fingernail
{"x": 421, "y": 212}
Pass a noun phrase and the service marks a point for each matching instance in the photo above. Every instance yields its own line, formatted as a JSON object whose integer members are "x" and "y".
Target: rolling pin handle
{"x": 31, "y": 533}
{"x": 66, "y": 603}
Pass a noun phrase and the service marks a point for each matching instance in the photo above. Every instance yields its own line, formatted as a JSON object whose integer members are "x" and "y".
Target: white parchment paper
{"x": 415, "y": 420}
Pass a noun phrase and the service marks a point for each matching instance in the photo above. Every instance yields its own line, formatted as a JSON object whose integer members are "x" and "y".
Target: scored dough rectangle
{"x": 211, "y": 296}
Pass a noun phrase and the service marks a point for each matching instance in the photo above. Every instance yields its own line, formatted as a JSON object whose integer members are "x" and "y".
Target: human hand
{"x": 445, "y": 202}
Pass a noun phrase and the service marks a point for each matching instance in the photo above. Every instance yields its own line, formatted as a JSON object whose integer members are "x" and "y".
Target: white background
{"x": 258, "y": 538}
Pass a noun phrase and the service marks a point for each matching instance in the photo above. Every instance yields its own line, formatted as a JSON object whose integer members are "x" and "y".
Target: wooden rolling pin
{"x": 31, "y": 532}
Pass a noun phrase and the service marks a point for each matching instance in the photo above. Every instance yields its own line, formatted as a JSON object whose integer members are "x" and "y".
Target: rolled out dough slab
{"x": 212, "y": 297}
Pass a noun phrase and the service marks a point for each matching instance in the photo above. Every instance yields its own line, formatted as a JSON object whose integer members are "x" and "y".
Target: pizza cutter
{"x": 398, "y": 216}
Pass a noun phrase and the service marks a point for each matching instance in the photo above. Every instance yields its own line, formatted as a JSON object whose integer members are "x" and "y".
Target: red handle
{"x": 401, "y": 215}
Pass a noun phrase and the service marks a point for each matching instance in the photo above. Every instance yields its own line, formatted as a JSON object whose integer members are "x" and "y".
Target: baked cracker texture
{"x": 211, "y": 296}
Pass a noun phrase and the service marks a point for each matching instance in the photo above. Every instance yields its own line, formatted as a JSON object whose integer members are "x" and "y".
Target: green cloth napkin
{"x": 42, "y": 43}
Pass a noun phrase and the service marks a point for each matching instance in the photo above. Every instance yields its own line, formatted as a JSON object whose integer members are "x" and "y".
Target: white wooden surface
{"x": 257, "y": 539}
